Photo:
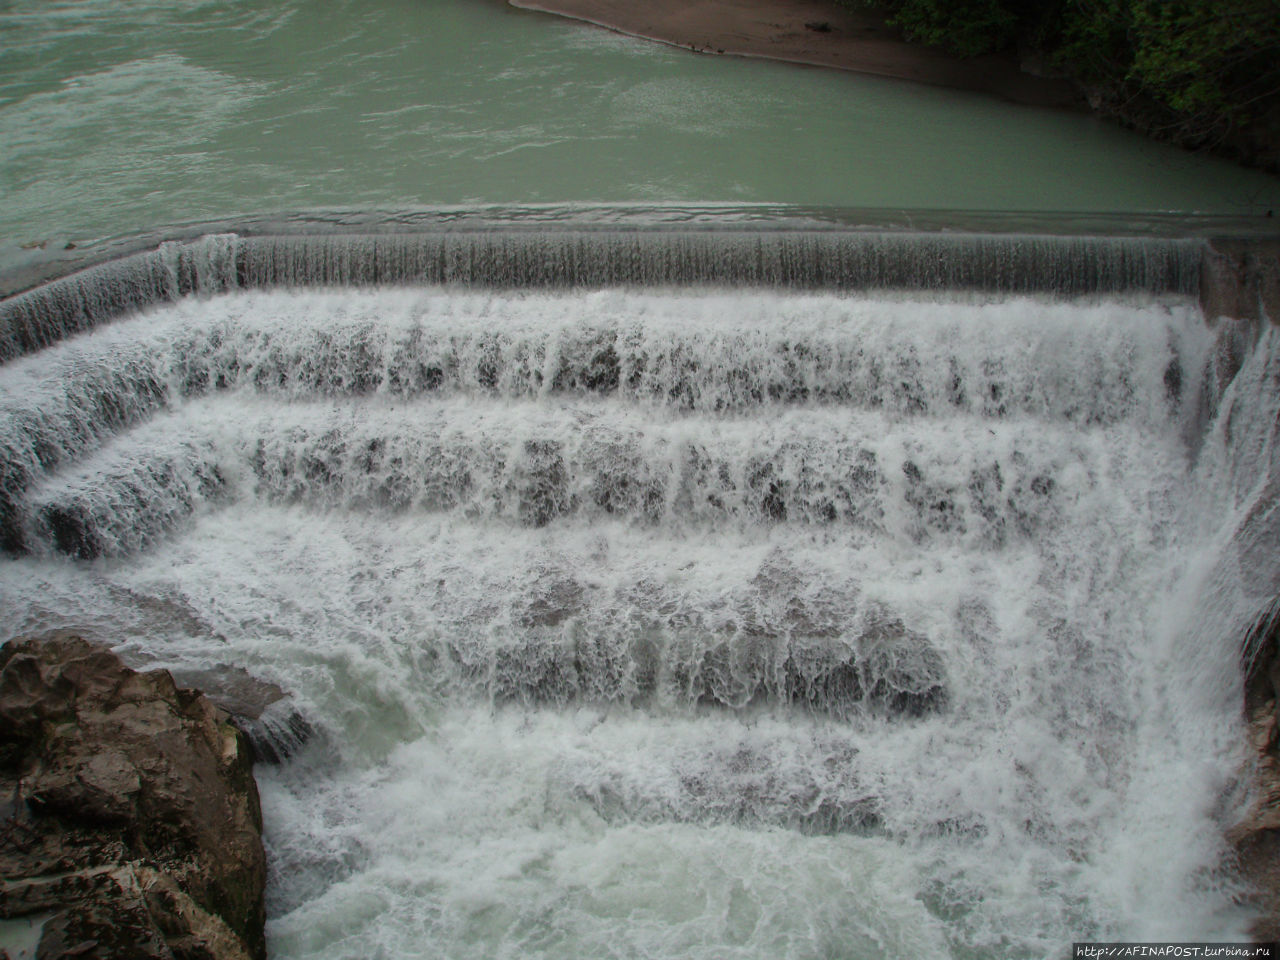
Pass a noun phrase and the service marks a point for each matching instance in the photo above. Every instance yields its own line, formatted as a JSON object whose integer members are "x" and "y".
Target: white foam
{"x": 496, "y": 779}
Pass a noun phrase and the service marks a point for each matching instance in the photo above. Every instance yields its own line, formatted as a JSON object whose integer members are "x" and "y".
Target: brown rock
{"x": 130, "y": 824}
{"x": 263, "y": 712}
{"x": 1256, "y": 838}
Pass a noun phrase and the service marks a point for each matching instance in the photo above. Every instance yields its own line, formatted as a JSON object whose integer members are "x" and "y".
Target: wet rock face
{"x": 129, "y": 818}
{"x": 1256, "y": 838}
{"x": 1241, "y": 279}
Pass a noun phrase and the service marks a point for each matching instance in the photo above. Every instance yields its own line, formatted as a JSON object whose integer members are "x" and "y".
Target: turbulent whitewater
{"x": 679, "y": 621}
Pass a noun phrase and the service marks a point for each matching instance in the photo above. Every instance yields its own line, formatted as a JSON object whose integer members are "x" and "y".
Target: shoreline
{"x": 818, "y": 33}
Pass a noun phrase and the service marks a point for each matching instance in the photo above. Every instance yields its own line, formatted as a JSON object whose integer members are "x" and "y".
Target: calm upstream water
{"x": 119, "y": 115}
{"x": 730, "y": 609}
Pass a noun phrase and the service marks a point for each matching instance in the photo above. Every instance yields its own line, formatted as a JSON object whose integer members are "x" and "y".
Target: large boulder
{"x": 129, "y": 818}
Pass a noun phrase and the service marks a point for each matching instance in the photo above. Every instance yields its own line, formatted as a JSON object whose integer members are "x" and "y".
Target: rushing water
{"x": 764, "y": 592}
{"x": 679, "y": 622}
{"x": 120, "y": 115}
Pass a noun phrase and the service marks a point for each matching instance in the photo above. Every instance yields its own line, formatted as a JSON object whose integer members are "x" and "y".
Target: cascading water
{"x": 677, "y": 621}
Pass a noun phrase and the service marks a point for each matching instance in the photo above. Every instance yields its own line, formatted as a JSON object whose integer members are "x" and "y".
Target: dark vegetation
{"x": 1201, "y": 73}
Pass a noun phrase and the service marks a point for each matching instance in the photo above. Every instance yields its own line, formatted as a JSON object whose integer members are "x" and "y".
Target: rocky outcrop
{"x": 129, "y": 818}
{"x": 264, "y": 712}
{"x": 1256, "y": 838}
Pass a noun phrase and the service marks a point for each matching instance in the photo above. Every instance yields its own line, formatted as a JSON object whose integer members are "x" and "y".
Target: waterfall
{"x": 678, "y": 593}
{"x": 568, "y": 257}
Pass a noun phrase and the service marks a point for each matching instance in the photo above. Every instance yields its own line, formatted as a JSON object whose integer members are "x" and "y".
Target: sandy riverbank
{"x": 816, "y": 32}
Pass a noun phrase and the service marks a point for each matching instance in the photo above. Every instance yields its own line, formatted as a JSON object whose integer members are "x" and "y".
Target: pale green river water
{"x": 117, "y": 115}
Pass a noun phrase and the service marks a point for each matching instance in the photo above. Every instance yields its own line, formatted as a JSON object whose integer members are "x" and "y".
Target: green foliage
{"x": 966, "y": 27}
{"x": 1205, "y": 67}
{"x": 1093, "y": 42}
{"x": 1207, "y": 56}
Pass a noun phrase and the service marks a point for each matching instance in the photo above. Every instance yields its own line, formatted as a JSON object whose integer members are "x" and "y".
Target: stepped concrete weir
{"x": 656, "y": 589}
